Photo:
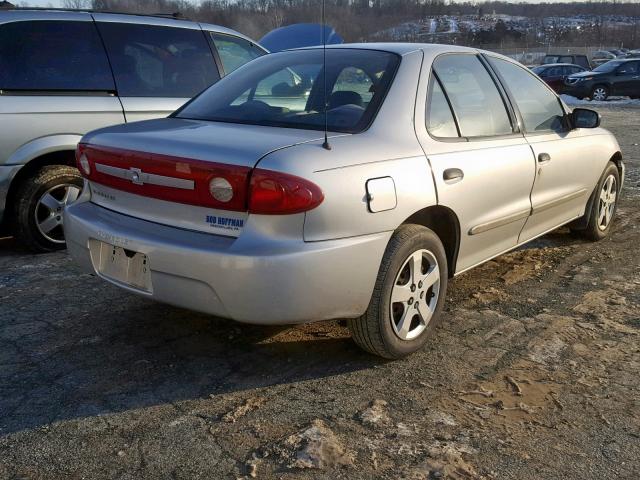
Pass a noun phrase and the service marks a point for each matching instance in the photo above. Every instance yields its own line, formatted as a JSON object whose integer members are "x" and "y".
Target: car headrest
{"x": 344, "y": 97}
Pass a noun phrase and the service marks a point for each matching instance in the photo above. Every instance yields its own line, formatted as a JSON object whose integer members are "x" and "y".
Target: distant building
{"x": 4, "y": 5}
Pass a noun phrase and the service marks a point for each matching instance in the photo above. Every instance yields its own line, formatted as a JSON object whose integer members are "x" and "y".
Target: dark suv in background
{"x": 616, "y": 77}
{"x": 64, "y": 73}
{"x": 573, "y": 59}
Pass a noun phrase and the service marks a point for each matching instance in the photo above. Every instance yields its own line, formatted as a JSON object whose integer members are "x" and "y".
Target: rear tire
{"x": 413, "y": 272}
{"x": 39, "y": 204}
{"x": 604, "y": 206}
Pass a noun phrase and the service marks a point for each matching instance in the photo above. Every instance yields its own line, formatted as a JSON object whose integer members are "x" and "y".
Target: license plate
{"x": 121, "y": 265}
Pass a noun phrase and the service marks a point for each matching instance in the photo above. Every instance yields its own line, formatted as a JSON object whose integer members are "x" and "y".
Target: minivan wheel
{"x": 408, "y": 295}
{"x": 40, "y": 202}
{"x": 604, "y": 205}
{"x": 599, "y": 93}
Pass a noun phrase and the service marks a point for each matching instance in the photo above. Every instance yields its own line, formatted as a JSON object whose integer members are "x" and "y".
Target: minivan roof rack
{"x": 174, "y": 15}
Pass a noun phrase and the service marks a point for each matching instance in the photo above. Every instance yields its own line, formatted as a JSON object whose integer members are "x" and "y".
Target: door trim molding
{"x": 519, "y": 244}
{"x": 558, "y": 201}
{"x": 514, "y": 217}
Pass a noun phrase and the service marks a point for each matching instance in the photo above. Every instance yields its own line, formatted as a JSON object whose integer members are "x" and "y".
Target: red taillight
{"x": 276, "y": 193}
{"x": 208, "y": 184}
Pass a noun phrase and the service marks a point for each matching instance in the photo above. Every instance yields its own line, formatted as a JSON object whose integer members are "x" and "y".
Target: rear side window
{"x": 153, "y": 61}
{"x": 539, "y": 106}
{"x": 475, "y": 99}
{"x": 53, "y": 55}
{"x": 440, "y": 121}
{"x": 234, "y": 51}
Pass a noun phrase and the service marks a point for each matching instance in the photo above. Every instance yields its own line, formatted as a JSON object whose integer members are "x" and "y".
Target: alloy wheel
{"x": 600, "y": 94}
{"x": 607, "y": 202}
{"x": 49, "y": 210}
{"x": 414, "y": 296}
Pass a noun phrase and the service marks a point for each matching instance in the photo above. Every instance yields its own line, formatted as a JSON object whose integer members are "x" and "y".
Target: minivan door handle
{"x": 452, "y": 175}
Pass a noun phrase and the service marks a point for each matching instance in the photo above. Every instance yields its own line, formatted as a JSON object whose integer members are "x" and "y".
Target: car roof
{"x": 169, "y": 20}
{"x": 548, "y": 65}
{"x": 565, "y": 55}
{"x": 400, "y": 48}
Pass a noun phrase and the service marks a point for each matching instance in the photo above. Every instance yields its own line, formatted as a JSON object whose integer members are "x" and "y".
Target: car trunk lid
{"x": 161, "y": 170}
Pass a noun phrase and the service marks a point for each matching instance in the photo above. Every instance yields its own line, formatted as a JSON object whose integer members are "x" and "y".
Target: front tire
{"x": 408, "y": 295}
{"x": 604, "y": 205}
{"x": 599, "y": 93}
{"x": 39, "y": 205}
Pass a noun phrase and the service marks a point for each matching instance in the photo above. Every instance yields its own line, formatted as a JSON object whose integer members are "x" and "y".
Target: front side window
{"x": 474, "y": 96}
{"x": 440, "y": 121}
{"x": 287, "y": 89}
{"x": 628, "y": 68}
{"x": 154, "y": 61}
{"x": 539, "y": 106}
{"x": 234, "y": 51}
{"x": 53, "y": 55}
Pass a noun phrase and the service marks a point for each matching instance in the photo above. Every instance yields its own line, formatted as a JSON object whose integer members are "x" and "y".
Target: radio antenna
{"x": 325, "y": 144}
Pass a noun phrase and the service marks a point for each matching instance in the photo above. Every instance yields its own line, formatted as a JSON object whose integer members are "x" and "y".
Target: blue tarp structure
{"x": 299, "y": 35}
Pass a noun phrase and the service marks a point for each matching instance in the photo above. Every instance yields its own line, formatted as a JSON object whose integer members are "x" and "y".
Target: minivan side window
{"x": 156, "y": 61}
{"x": 539, "y": 106}
{"x": 440, "y": 121}
{"x": 234, "y": 51}
{"x": 53, "y": 55}
{"x": 475, "y": 99}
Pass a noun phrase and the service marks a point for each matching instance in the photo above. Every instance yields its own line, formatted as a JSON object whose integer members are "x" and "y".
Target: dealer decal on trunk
{"x": 227, "y": 223}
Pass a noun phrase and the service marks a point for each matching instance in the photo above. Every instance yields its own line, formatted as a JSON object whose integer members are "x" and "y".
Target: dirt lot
{"x": 533, "y": 375}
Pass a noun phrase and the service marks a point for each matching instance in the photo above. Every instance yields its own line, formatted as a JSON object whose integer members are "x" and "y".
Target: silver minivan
{"x": 64, "y": 73}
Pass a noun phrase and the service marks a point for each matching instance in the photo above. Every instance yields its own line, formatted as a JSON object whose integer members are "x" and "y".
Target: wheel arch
{"x": 617, "y": 160}
{"x": 64, "y": 156}
{"x": 582, "y": 222}
{"x": 444, "y": 222}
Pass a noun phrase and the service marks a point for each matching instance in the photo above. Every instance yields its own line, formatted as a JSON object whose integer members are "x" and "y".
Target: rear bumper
{"x": 7, "y": 173}
{"x": 253, "y": 279}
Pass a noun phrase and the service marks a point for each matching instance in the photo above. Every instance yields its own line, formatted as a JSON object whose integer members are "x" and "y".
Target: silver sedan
{"x": 437, "y": 159}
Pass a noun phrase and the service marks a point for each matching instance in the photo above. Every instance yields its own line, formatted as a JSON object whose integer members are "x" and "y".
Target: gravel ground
{"x": 533, "y": 374}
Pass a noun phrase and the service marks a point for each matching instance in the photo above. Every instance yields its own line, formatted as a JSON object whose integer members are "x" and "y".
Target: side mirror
{"x": 584, "y": 118}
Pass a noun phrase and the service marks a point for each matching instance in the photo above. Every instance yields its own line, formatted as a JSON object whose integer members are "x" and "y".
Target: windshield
{"x": 287, "y": 90}
{"x": 607, "y": 67}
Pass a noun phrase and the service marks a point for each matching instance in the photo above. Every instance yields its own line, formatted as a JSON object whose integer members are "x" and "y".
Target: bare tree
{"x": 77, "y": 4}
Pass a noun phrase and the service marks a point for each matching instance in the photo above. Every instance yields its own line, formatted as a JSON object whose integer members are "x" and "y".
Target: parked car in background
{"x": 555, "y": 74}
{"x": 602, "y": 56}
{"x": 63, "y": 73}
{"x": 580, "y": 60}
{"x": 439, "y": 158}
{"x": 616, "y": 77}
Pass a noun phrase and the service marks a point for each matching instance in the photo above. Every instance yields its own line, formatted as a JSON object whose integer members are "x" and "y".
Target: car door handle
{"x": 452, "y": 175}
{"x": 544, "y": 158}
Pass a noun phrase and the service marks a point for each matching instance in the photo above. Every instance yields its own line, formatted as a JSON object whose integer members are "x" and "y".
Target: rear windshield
{"x": 287, "y": 90}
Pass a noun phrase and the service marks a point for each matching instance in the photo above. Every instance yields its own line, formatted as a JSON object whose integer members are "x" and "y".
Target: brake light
{"x": 198, "y": 182}
{"x": 276, "y": 193}
{"x": 174, "y": 179}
